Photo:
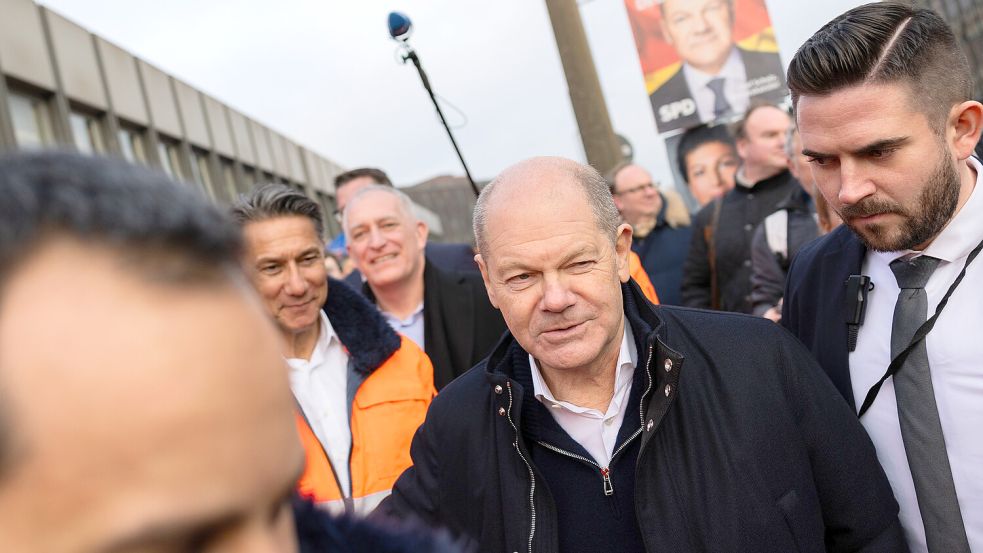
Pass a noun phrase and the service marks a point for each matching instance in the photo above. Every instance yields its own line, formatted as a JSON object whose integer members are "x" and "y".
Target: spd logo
{"x": 675, "y": 110}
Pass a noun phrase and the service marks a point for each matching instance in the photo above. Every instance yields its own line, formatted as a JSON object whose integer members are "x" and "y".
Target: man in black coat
{"x": 717, "y": 272}
{"x": 446, "y": 313}
{"x": 604, "y": 423}
{"x": 717, "y": 78}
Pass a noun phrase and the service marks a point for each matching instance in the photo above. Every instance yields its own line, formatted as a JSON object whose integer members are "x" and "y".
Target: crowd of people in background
{"x": 601, "y": 370}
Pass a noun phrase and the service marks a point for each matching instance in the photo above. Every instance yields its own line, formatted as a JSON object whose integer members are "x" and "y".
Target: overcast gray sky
{"x": 326, "y": 74}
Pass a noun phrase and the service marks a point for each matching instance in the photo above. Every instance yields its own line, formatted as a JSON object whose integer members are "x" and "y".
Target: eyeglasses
{"x": 635, "y": 189}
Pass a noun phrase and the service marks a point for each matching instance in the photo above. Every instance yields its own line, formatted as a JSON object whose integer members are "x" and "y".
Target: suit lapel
{"x": 837, "y": 265}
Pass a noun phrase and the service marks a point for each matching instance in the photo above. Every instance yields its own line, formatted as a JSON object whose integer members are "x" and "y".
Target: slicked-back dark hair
{"x": 160, "y": 230}
{"x": 885, "y": 43}
{"x": 378, "y": 175}
{"x": 698, "y": 136}
{"x": 273, "y": 200}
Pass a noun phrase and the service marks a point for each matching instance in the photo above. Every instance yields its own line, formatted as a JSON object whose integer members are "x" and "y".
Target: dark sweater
{"x": 588, "y": 520}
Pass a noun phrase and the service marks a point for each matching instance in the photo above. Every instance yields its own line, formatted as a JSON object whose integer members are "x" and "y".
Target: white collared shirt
{"x": 321, "y": 388}
{"x": 735, "y": 86}
{"x": 411, "y": 327}
{"x": 955, "y": 355}
{"x": 597, "y": 432}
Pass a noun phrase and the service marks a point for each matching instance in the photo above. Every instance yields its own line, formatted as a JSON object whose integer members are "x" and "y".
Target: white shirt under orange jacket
{"x": 390, "y": 386}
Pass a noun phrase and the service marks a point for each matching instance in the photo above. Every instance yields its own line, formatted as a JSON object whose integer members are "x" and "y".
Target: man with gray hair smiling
{"x": 444, "y": 312}
{"x": 604, "y": 423}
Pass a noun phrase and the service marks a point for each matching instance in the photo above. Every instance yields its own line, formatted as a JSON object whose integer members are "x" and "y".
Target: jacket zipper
{"x": 606, "y": 471}
{"x": 532, "y": 475}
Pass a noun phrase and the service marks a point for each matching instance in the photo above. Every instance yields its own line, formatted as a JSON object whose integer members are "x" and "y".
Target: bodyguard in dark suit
{"x": 447, "y": 313}
{"x": 716, "y": 78}
{"x": 891, "y": 303}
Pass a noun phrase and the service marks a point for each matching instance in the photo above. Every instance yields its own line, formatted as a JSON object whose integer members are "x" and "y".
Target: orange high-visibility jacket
{"x": 641, "y": 277}
{"x": 389, "y": 405}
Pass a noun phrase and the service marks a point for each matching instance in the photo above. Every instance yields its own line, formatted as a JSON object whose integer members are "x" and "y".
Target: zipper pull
{"x": 608, "y": 486}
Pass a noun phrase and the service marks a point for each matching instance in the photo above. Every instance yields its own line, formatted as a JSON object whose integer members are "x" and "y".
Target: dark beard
{"x": 923, "y": 220}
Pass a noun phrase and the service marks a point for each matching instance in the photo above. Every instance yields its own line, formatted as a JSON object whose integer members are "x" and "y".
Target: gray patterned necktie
{"x": 921, "y": 429}
{"x": 720, "y": 103}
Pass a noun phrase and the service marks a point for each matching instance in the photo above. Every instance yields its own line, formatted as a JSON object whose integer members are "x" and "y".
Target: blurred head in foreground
{"x": 145, "y": 405}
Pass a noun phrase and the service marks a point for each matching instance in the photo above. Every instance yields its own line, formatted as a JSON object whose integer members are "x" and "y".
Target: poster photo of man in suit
{"x": 705, "y": 60}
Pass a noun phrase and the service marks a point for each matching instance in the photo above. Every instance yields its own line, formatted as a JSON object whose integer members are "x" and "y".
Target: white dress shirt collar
{"x": 325, "y": 335}
{"x": 623, "y": 373}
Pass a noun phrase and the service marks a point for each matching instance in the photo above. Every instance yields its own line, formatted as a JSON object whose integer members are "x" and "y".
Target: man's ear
{"x": 484, "y": 277}
{"x": 622, "y": 248}
{"x": 965, "y": 124}
{"x": 422, "y": 232}
{"x": 741, "y": 146}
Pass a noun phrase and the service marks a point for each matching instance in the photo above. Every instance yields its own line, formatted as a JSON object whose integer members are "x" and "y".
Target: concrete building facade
{"x": 64, "y": 87}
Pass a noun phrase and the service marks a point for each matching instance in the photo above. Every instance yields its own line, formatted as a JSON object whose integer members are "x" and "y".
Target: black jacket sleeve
{"x": 767, "y": 276}
{"x": 696, "y": 270}
{"x": 858, "y": 505}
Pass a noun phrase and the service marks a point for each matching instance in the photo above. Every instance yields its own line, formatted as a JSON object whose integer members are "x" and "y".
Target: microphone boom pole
{"x": 399, "y": 29}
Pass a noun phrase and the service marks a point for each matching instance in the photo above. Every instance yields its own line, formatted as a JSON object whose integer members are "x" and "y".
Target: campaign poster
{"x": 705, "y": 60}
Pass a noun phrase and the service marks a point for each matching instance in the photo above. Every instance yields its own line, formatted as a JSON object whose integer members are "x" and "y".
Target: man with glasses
{"x": 660, "y": 225}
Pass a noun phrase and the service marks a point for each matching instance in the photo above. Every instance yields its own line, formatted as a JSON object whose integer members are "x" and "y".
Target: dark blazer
{"x": 815, "y": 306}
{"x": 449, "y": 257}
{"x": 758, "y": 67}
{"x": 742, "y": 445}
{"x": 460, "y": 326}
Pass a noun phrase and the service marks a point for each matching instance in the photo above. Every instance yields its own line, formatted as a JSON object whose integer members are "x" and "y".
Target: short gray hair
{"x": 405, "y": 203}
{"x": 273, "y": 200}
{"x": 595, "y": 189}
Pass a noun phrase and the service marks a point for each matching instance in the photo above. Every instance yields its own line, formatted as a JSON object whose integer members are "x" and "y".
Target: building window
{"x": 32, "y": 121}
{"x": 87, "y": 133}
{"x": 249, "y": 179}
{"x": 168, "y": 152}
{"x": 200, "y": 172}
{"x": 229, "y": 178}
{"x": 132, "y": 144}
